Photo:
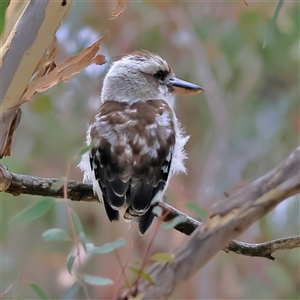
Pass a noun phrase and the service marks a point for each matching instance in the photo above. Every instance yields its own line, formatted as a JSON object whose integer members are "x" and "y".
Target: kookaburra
{"x": 137, "y": 141}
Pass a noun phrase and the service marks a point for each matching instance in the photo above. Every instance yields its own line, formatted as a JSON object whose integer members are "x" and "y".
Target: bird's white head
{"x": 142, "y": 76}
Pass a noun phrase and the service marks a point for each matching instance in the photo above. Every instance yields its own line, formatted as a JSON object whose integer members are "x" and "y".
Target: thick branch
{"x": 16, "y": 184}
{"x": 230, "y": 218}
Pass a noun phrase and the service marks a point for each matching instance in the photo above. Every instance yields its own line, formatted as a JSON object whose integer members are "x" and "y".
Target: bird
{"x": 136, "y": 141}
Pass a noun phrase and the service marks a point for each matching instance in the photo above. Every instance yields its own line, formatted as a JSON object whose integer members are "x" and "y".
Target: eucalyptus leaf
{"x": 272, "y": 23}
{"x": 77, "y": 222}
{"x": 87, "y": 148}
{"x": 157, "y": 198}
{"x": 73, "y": 292}
{"x": 107, "y": 248}
{"x": 163, "y": 257}
{"x": 174, "y": 222}
{"x": 157, "y": 210}
{"x": 143, "y": 274}
{"x": 96, "y": 280}
{"x": 70, "y": 262}
{"x": 56, "y": 234}
{"x": 82, "y": 239}
{"x": 34, "y": 211}
{"x": 58, "y": 184}
{"x": 39, "y": 291}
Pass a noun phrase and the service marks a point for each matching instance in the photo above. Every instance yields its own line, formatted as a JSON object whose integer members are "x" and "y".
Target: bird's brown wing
{"x": 132, "y": 156}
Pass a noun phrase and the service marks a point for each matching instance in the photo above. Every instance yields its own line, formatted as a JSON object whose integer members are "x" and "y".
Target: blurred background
{"x": 245, "y": 123}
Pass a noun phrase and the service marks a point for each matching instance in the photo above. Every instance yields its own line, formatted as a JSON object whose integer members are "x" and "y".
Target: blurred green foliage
{"x": 245, "y": 123}
{"x": 3, "y": 6}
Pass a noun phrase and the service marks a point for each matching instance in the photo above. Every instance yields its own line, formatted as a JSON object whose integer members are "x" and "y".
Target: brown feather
{"x": 135, "y": 145}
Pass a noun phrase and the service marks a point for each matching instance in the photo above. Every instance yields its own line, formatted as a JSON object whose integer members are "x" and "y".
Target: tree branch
{"x": 254, "y": 250}
{"x": 229, "y": 218}
{"x": 264, "y": 249}
{"x": 16, "y": 184}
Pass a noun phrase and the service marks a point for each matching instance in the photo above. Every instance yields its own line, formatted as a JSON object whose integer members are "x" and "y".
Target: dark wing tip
{"x": 140, "y": 196}
{"x": 113, "y": 215}
{"x": 145, "y": 221}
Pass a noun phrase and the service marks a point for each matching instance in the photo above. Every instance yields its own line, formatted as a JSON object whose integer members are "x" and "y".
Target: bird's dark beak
{"x": 181, "y": 87}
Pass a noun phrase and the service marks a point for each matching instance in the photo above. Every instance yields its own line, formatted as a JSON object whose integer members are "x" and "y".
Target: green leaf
{"x": 143, "y": 275}
{"x": 3, "y": 7}
{"x": 272, "y": 23}
{"x": 82, "y": 239}
{"x": 174, "y": 222}
{"x": 107, "y": 248}
{"x": 163, "y": 257}
{"x": 197, "y": 210}
{"x": 34, "y": 211}
{"x": 72, "y": 292}
{"x": 157, "y": 210}
{"x": 158, "y": 198}
{"x": 79, "y": 229}
{"x": 87, "y": 148}
{"x": 77, "y": 222}
{"x": 70, "y": 262}
{"x": 57, "y": 185}
{"x": 56, "y": 234}
{"x": 96, "y": 280}
{"x": 39, "y": 291}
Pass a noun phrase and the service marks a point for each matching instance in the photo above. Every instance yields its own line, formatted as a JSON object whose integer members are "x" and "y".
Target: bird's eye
{"x": 160, "y": 74}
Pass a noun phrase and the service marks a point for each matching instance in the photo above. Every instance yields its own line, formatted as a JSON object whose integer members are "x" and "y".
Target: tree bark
{"x": 229, "y": 218}
{"x": 22, "y": 46}
{"x": 16, "y": 184}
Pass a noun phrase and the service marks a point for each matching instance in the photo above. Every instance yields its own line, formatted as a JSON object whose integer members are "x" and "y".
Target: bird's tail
{"x": 146, "y": 220}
